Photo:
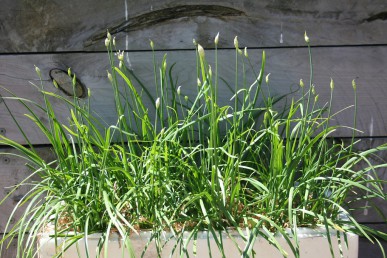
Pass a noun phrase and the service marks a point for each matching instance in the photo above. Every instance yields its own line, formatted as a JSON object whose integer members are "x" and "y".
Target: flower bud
{"x": 316, "y": 98}
{"x": 236, "y": 44}
{"x": 267, "y": 78}
{"x": 121, "y": 64}
{"x": 110, "y": 77}
{"x": 74, "y": 81}
{"x": 199, "y": 82}
{"x": 245, "y": 52}
{"x": 178, "y": 90}
{"x": 37, "y": 70}
{"x": 302, "y": 83}
{"x": 186, "y": 98}
{"x": 114, "y": 41}
{"x": 151, "y": 44}
{"x": 209, "y": 71}
{"x": 157, "y": 103}
{"x": 240, "y": 51}
{"x": 108, "y": 35}
{"x": 120, "y": 55}
{"x": 69, "y": 71}
{"x": 164, "y": 64}
{"x": 194, "y": 42}
{"x": 332, "y": 84}
{"x": 306, "y": 38}
{"x": 201, "y": 51}
{"x": 313, "y": 90}
{"x": 88, "y": 92}
{"x": 107, "y": 42}
{"x": 216, "y": 40}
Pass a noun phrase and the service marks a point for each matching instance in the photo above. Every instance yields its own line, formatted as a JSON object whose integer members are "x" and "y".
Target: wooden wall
{"x": 349, "y": 40}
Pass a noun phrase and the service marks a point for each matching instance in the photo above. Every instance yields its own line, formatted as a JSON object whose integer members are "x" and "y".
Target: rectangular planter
{"x": 313, "y": 243}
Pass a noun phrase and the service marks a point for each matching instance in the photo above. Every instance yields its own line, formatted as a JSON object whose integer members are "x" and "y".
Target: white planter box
{"x": 313, "y": 244}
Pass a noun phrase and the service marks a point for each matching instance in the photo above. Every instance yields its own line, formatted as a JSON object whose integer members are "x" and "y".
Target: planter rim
{"x": 302, "y": 232}
{"x": 311, "y": 241}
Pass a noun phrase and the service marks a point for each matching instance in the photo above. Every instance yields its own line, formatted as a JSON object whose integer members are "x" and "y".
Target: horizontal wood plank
{"x": 9, "y": 251}
{"x": 375, "y": 209}
{"x": 13, "y": 170}
{"x": 286, "y": 67}
{"x": 368, "y": 249}
{"x": 48, "y": 26}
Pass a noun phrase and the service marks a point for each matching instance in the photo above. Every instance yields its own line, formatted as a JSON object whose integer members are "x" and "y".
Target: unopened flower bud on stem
{"x": 157, "y": 103}
{"x": 216, "y": 40}
{"x": 306, "y": 38}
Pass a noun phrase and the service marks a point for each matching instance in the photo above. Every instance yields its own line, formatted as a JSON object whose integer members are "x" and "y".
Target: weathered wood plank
{"x": 374, "y": 210}
{"x": 9, "y": 251}
{"x": 368, "y": 249}
{"x": 286, "y": 66}
{"x": 29, "y": 26}
{"x": 13, "y": 170}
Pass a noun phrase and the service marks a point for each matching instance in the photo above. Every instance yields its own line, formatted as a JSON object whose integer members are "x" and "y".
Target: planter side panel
{"x": 317, "y": 247}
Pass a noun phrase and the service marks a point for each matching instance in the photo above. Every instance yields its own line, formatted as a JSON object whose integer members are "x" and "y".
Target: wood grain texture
{"x": 13, "y": 170}
{"x": 373, "y": 210}
{"x": 30, "y": 26}
{"x": 368, "y": 249}
{"x": 9, "y": 251}
{"x": 286, "y": 66}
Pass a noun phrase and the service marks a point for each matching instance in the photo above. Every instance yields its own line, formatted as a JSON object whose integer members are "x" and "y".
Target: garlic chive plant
{"x": 196, "y": 165}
